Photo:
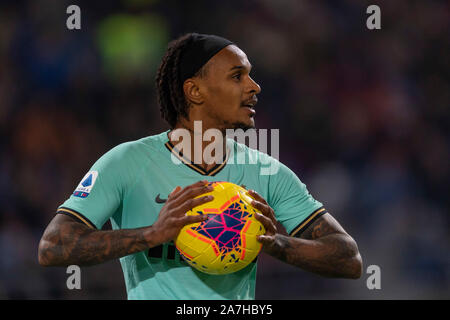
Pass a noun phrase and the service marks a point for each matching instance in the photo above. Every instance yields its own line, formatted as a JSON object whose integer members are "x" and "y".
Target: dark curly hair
{"x": 169, "y": 87}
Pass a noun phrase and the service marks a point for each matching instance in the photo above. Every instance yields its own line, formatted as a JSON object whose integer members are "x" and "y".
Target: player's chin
{"x": 246, "y": 120}
{"x": 251, "y": 123}
{"x": 244, "y": 124}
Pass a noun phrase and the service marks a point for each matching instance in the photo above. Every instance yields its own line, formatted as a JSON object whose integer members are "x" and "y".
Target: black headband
{"x": 201, "y": 48}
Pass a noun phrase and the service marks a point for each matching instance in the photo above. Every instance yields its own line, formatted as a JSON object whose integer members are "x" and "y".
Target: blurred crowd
{"x": 363, "y": 118}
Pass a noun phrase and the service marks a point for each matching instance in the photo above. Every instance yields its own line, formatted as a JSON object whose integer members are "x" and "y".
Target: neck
{"x": 203, "y": 145}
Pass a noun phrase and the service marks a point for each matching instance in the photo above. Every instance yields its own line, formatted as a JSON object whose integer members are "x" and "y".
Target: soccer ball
{"x": 225, "y": 242}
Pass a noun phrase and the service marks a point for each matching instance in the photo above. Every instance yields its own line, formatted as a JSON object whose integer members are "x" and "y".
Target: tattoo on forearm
{"x": 334, "y": 255}
{"x": 323, "y": 248}
{"x": 74, "y": 243}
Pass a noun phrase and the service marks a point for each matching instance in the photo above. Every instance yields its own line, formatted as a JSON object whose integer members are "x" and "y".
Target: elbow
{"x": 356, "y": 267}
{"x": 354, "y": 263}
{"x": 42, "y": 259}
{"x": 43, "y": 262}
{"x": 44, "y": 256}
{"x": 54, "y": 243}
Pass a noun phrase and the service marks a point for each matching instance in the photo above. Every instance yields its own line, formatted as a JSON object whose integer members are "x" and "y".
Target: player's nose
{"x": 254, "y": 87}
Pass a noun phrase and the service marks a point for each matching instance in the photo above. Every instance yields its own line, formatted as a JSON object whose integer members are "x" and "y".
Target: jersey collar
{"x": 211, "y": 172}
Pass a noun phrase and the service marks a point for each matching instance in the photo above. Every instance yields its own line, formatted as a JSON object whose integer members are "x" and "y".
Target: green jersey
{"x": 128, "y": 185}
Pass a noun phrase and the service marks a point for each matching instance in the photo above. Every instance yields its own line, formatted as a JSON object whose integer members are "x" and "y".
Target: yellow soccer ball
{"x": 225, "y": 242}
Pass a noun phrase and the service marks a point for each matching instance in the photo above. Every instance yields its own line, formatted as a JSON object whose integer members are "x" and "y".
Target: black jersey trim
{"x": 211, "y": 172}
{"x": 78, "y": 216}
{"x": 308, "y": 221}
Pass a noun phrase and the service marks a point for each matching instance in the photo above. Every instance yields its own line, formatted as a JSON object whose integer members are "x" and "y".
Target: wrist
{"x": 274, "y": 246}
{"x": 151, "y": 237}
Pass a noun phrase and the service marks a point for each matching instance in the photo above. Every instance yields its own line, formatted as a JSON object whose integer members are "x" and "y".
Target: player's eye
{"x": 237, "y": 76}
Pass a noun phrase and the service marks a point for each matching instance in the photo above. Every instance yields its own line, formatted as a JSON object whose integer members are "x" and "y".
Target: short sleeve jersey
{"x": 128, "y": 185}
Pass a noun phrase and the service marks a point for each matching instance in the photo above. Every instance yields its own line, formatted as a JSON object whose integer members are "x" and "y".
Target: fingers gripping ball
{"x": 225, "y": 242}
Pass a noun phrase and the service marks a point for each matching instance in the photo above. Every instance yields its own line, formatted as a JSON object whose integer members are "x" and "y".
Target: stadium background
{"x": 363, "y": 118}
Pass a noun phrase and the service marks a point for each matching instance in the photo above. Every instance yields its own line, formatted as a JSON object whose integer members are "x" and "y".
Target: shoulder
{"x": 266, "y": 164}
{"x": 241, "y": 149}
{"x": 136, "y": 151}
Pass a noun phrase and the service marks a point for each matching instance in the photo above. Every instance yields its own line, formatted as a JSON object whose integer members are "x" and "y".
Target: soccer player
{"x": 146, "y": 194}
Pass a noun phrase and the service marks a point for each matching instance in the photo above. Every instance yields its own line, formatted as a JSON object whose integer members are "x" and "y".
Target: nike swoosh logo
{"x": 159, "y": 200}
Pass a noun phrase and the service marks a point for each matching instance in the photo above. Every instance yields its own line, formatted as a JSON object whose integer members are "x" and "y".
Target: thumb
{"x": 175, "y": 191}
{"x": 266, "y": 240}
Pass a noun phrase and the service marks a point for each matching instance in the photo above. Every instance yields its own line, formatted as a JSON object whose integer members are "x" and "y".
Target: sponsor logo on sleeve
{"x": 86, "y": 184}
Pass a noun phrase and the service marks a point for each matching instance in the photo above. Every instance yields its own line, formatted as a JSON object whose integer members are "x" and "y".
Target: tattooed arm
{"x": 323, "y": 248}
{"x": 67, "y": 241}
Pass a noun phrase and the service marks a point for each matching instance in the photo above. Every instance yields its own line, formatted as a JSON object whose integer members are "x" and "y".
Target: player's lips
{"x": 250, "y": 105}
{"x": 250, "y": 110}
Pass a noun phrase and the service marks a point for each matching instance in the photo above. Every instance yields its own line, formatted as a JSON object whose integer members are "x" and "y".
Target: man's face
{"x": 228, "y": 91}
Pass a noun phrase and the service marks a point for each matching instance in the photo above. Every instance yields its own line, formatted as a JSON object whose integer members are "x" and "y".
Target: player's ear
{"x": 192, "y": 92}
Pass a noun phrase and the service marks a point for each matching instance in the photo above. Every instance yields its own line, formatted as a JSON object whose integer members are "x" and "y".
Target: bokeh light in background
{"x": 363, "y": 118}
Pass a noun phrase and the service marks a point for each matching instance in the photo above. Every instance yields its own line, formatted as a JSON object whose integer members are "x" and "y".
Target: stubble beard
{"x": 227, "y": 125}
{"x": 242, "y": 125}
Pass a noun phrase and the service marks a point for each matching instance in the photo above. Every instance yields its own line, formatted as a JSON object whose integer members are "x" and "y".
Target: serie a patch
{"x": 86, "y": 184}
